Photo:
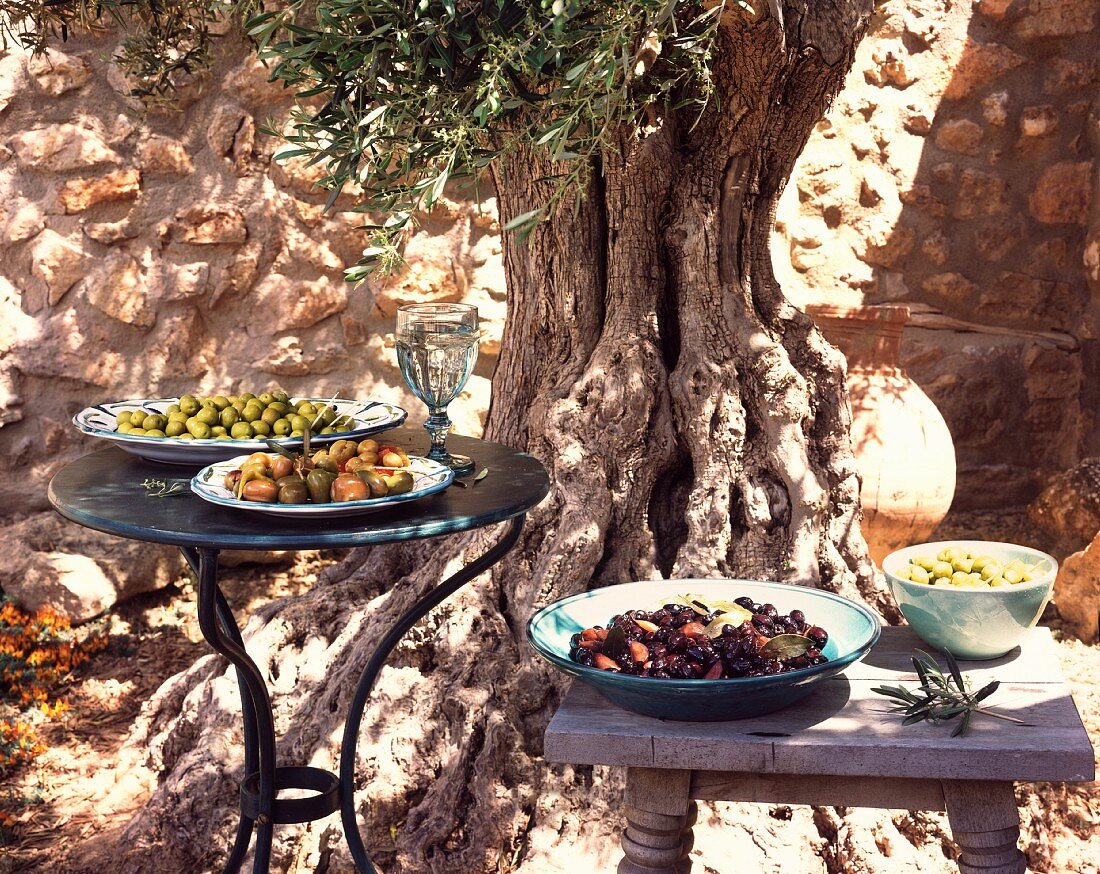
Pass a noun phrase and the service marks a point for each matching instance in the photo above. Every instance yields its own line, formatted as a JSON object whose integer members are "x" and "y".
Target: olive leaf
{"x": 484, "y": 473}
{"x": 615, "y": 643}
{"x": 787, "y": 646}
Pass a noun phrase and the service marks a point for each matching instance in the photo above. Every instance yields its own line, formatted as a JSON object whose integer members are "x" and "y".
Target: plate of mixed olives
{"x": 703, "y": 650}
{"x": 195, "y": 430}
{"x": 346, "y": 478}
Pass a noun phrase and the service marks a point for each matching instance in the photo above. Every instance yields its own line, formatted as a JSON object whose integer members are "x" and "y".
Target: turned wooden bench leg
{"x": 659, "y": 814}
{"x": 986, "y": 825}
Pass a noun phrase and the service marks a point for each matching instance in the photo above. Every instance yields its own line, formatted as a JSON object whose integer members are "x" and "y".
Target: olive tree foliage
{"x": 399, "y": 97}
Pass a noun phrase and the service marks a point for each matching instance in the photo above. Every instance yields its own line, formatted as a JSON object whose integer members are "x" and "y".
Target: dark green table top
{"x": 103, "y": 491}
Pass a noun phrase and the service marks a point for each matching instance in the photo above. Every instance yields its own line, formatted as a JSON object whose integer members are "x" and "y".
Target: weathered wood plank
{"x": 896, "y": 793}
{"x": 1036, "y": 661}
{"x": 844, "y": 729}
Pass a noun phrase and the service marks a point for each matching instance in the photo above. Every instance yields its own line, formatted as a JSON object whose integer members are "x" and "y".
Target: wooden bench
{"x": 853, "y": 751}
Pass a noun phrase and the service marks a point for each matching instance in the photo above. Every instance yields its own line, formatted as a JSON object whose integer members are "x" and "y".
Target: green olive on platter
{"x": 243, "y": 416}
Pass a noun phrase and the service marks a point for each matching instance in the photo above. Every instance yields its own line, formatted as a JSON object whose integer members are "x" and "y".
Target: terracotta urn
{"x": 902, "y": 445}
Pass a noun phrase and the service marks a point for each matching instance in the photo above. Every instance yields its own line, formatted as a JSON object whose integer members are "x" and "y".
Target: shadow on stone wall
{"x": 954, "y": 176}
{"x": 151, "y": 252}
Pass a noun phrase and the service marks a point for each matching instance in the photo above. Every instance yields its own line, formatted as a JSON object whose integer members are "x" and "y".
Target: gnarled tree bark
{"x": 694, "y": 424}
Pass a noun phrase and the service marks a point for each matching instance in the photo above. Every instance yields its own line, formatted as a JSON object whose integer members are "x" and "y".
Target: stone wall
{"x": 149, "y": 252}
{"x": 955, "y": 174}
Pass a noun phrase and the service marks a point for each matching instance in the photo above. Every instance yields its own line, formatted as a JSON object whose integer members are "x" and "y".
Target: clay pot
{"x": 902, "y": 446}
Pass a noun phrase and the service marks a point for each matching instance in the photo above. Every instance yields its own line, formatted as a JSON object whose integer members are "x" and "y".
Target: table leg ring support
{"x": 288, "y": 810}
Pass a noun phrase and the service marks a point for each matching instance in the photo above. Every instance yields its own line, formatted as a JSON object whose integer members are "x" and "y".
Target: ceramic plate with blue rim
{"x": 429, "y": 478}
{"x": 368, "y": 417}
{"x": 853, "y": 630}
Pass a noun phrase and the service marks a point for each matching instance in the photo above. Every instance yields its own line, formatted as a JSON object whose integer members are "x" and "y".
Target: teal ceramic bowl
{"x": 853, "y": 630}
{"x": 971, "y": 623}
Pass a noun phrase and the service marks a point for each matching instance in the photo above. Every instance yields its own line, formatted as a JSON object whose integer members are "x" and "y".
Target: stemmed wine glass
{"x": 436, "y": 349}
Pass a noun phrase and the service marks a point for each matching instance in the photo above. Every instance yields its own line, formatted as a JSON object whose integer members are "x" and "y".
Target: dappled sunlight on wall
{"x": 953, "y": 176}
{"x": 150, "y": 252}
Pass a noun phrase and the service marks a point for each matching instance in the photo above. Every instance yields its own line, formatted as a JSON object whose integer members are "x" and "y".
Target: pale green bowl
{"x": 971, "y": 623}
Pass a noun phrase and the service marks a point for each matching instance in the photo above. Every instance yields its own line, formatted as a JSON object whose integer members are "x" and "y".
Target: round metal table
{"x": 103, "y": 491}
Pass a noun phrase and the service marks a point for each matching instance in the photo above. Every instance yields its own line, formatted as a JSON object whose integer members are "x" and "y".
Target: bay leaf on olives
{"x": 615, "y": 643}
{"x": 787, "y": 646}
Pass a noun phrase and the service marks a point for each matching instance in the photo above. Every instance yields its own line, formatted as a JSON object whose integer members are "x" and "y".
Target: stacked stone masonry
{"x": 150, "y": 252}
{"x": 956, "y": 173}
{"x": 147, "y": 252}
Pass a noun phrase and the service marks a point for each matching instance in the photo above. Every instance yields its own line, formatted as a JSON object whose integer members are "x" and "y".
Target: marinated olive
{"x": 374, "y": 481}
{"x": 241, "y": 431}
{"x": 229, "y": 417}
{"x": 137, "y": 417}
{"x": 342, "y": 450}
{"x": 281, "y": 466}
{"x": 400, "y": 482}
{"x": 207, "y": 415}
{"x": 319, "y": 483}
{"x": 293, "y": 490}
{"x": 348, "y": 487}
{"x": 326, "y": 462}
{"x": 263, "y": 490}
{"x": 392, "y": 459}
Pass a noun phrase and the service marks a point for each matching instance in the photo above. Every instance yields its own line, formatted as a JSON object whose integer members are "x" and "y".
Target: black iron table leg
{"x": 220, "y": 630}
{"x": 370, "y": 674}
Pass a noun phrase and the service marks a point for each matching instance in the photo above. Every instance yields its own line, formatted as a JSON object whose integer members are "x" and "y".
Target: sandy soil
{"x": 68, "y": 794}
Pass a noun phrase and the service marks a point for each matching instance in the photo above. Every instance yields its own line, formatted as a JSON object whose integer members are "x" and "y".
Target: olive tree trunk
{"x": 694, "y": 423}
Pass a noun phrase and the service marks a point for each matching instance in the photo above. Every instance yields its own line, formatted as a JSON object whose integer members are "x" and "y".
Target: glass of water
{"x": 437, "y": 348}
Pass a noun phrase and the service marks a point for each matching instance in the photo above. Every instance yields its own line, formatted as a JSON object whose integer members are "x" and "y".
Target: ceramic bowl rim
{"x": 576, "y": 668}
{"x": 1047, "y": 579}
